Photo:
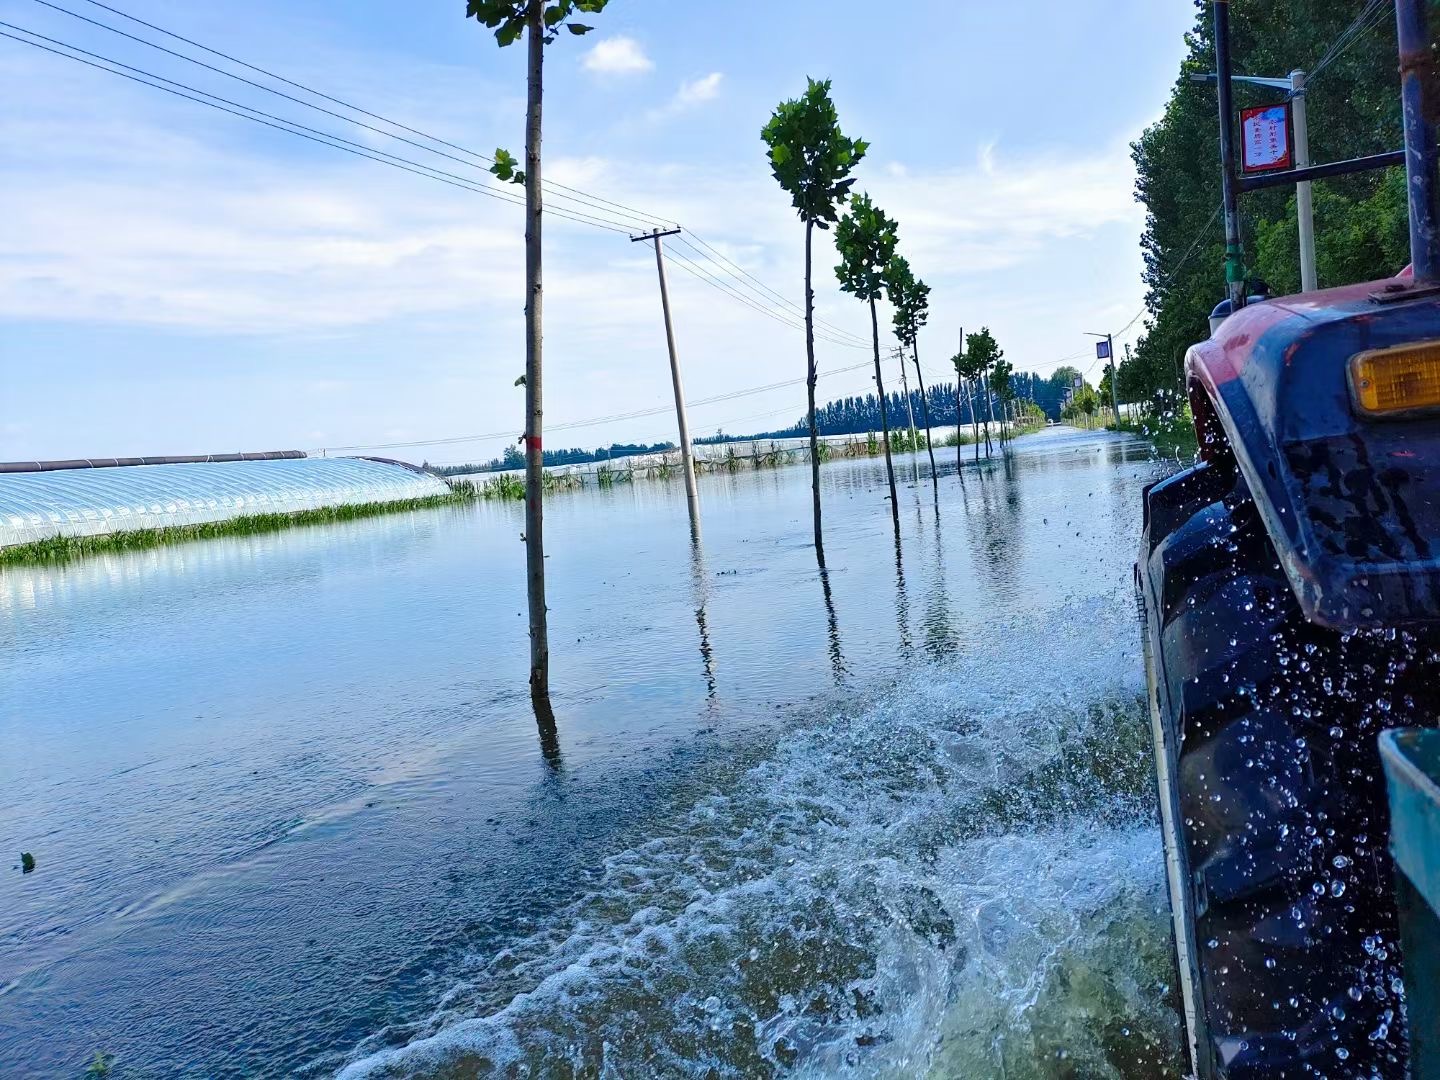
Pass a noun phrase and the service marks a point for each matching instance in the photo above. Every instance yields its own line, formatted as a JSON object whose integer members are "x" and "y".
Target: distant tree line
{"x": 843, "y": 416}
{"x": 514, "y": 458}
{"x": 858, "y": 415}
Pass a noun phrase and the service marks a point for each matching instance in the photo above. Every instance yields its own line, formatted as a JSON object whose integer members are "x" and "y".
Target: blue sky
{"x": 174, "y": 280}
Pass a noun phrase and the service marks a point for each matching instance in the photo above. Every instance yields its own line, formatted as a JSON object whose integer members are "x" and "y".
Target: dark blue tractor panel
{"x": 1352, "y": 503}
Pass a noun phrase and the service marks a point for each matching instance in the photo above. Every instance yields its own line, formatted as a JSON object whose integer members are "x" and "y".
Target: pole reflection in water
{"x": 902, "y": 599}
{"x": 700, "y": 582}
{"x": 940, "y": 637}
{"x": 997, "y": 544}
{"x": 837, "y": 657}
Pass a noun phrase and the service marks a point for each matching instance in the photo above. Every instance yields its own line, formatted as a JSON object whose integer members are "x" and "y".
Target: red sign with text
{"x": 1265, "y": 138}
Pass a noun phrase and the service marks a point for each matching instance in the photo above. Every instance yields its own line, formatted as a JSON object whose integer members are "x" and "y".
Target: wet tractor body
{"x": 1290, "y": 583}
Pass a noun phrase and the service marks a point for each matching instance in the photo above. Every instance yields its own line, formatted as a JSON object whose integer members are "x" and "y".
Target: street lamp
{"x": 1294, "y": 85}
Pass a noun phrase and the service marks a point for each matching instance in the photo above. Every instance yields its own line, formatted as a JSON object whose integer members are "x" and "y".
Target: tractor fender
{"x": 1351, "y": 503}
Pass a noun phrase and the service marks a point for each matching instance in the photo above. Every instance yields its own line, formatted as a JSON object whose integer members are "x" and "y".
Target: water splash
{"x": 957, "y": 876}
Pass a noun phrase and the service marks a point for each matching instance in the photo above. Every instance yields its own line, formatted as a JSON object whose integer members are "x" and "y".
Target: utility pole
{"x": 1114, "y": 372}
{"x": 1304, "y": 200}
{"x": 692, "y": 496}
{"x": 959, "y": 423}
{"x": 1114, "y": 379}
{"x": 909, "y": 408}
{"x": 1294, "y": 86}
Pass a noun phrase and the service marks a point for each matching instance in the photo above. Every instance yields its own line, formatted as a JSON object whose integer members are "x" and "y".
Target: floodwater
{"x": 290, "y": 814}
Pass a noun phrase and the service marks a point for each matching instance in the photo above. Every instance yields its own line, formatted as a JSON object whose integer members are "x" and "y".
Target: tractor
{"x": 1290, "y": 586}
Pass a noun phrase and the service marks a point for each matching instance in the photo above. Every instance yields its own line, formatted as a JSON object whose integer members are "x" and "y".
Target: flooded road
{"x": 290, "y": 814}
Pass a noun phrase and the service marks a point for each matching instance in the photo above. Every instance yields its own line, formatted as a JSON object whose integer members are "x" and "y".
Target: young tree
{"x": 963, "y": 378}
{"x": 981, "y": 355}
{"x": 1105, "y": 393}
{"x": 866, "y": 239}
{"x": 1001, "y": 387}
{"x": 812, "y": 159}
{"x": 910, "y": 297}
{"x": 540, "y": 21}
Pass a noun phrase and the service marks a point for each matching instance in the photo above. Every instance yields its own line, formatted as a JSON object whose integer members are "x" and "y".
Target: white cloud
{"x": 397, "y": 303}
{"x": 705, "y": 88}
{"x": 693, "y": 92}
{"x": 617, "y": 56}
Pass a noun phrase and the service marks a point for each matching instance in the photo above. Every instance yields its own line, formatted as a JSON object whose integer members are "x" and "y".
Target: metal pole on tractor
{"x": 1420, "y": 103}
{"x": 1234, "y": 259}
{"x": 692, "y": 495}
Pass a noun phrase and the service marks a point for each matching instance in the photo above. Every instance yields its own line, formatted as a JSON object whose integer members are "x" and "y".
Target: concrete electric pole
{"x": 692, "y": 495}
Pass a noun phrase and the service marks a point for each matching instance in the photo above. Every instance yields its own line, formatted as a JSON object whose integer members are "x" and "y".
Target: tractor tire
{"x": 1272, "y": 797}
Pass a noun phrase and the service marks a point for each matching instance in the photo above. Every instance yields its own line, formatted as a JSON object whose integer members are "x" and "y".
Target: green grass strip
{"x": 63, "y": 548}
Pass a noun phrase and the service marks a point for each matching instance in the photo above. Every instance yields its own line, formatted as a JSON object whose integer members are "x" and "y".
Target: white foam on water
{"x": 959, "y": 875}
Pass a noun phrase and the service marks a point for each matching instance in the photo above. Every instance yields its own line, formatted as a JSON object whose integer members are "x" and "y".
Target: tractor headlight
{"x": 1395, "y": 381}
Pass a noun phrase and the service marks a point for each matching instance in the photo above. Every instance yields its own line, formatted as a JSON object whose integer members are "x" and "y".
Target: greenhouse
{"x": 75, "y": 499}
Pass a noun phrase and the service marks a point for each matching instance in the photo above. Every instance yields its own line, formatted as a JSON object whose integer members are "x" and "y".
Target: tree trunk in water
{"x": 810, "y": 377}
{"x": 990, "y": 406}
{"x": 925, "y": 415}
{"x": 534, "y": 459}
{"x": 884, "y": 419}
{"x": 974, "y": 416}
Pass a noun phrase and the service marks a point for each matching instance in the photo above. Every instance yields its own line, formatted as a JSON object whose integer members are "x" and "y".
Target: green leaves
{"x": 1000, "y": 379}
{"x": 910, "y": 298}
{"x": 865, "y": 239}
{"x": 508, "y": 17}
{"x": 982, "y": 354}
{"x": 810, "y": 156}
{"x": 506, "y": 167}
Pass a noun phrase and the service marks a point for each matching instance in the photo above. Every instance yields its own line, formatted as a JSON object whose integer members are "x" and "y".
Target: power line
{"x": 451, "y": 440}
{"x": 696, "y": 270}
{"x": 278, "y": 93}
{"x": 588, "y": 199}
{"x": 736, "y": 269}
{"x": 743, "y": 279}
{"x": 324, "y": 138}
{"x": 484, "y": 158}
{"x": 1165, "y": 280}
{"x": 1371, "y": 15}
{"x": 290, "y": 127}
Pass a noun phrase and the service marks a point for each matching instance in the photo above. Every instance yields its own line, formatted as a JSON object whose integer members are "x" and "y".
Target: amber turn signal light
{"x": 1403, "y": 379}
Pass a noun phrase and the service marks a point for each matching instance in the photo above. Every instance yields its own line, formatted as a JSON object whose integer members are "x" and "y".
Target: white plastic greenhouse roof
{"x": 73, "y": 502}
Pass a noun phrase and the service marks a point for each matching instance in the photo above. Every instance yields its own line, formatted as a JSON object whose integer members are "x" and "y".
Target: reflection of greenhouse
{"x": 44, "y": 502}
